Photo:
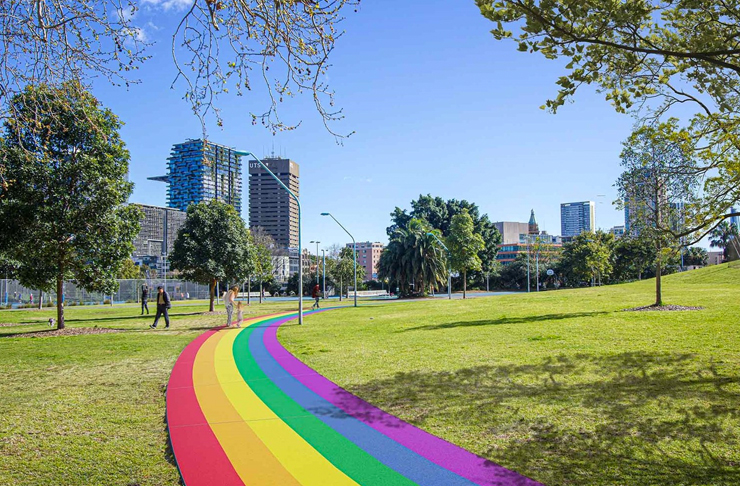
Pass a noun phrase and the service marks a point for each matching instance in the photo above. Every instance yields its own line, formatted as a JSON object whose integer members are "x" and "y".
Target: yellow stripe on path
{"x": 306, "y": 464}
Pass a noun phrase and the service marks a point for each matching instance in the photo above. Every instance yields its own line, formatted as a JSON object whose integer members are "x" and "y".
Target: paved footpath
{"x": 242, "y": 410}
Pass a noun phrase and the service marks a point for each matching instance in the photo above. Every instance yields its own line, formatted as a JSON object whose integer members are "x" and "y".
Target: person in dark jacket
{"x": 316, "y": 293}
{"x": 144, "y": 299}
{"x": 163, "y": 305}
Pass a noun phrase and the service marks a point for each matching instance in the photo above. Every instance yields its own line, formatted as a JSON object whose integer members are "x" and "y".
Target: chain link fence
{"x": 12, "y": 292}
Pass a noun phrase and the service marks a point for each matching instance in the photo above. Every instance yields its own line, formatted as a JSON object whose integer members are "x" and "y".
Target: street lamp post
{"x": 300, "y": 256}
{"x": 354, "y": 249}
{"x": 323, "y": 269}
{"x": 449, "y": 265}
{"x": 317, "y": 260}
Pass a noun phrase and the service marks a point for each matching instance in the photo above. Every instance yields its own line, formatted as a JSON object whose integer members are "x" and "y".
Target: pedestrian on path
{"x": 239, "y": 313}
{"x": 316, "y": 293}
{"x": 163, "y": 305}
{"x": 229, "y": 302}
{"x": 144, "y": 299}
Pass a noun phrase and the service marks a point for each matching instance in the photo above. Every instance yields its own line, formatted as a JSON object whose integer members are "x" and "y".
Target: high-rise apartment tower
{"x": 577, "y": 217}
{"x": 270, "y": 206}
{"x": 200, "y": 170}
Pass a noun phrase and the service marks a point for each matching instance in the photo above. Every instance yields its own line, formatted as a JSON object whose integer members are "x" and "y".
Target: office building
{"x": 156, "y": 238}
{"x": 368, "y": 256}
{"x": 577, "y": 218}
{"x": 511, "y": 232}
{"x": 617, "y": 231}
{"x": 270, "y": 206}
{"x": 199, "y": 170}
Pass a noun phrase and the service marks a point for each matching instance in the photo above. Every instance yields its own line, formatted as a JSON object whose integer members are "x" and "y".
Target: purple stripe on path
{"x": 439, "y": 451}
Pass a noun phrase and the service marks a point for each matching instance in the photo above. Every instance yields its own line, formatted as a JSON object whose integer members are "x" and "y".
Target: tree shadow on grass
{"x": 632, "y": 418}
{"x": 504, "y": 320}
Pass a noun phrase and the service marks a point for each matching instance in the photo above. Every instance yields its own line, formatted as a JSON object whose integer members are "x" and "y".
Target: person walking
{"x": 316, "y": 294}
{"x": 144, "y": 299}
{"x": 163, "y": 305}
{"x": 229, "y": 303}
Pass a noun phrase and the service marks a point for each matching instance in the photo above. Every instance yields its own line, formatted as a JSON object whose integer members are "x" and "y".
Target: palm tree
{"x": 723, "y": 236}
{"x": 413, "y": 259}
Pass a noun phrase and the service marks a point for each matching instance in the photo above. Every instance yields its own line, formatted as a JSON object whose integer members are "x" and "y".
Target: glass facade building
{"x": 576, "y": 218}
{"x": 199, "y": 170}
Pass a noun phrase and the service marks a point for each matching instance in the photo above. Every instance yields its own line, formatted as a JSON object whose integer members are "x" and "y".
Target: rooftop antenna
{"x": 273, "y": 150}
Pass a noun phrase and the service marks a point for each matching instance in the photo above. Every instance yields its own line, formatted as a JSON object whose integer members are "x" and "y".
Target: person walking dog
{"x": 144, "y": 299}
{"x": 163, "y": 305}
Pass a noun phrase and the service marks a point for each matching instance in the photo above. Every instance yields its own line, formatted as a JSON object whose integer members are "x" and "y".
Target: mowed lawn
{"x": 89, "y": 409}
{"x": 562, "y": 386}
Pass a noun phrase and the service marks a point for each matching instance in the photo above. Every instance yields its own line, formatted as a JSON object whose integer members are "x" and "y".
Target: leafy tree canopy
{"x": 212, "y": 245}
{"x": 647, "y": 57}
{"x": 65, "y": 217}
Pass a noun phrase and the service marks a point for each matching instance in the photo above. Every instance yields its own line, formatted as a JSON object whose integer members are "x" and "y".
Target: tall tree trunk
{"x": 213, "y": 295}
{"x": 341, "y": 288}
{"x": 41, "y": 299}
{"x": 260, "y": 290}
{"x": 60, "y": 303}
{"x": 249, "y": 290}
{"x": 465, "y": 284}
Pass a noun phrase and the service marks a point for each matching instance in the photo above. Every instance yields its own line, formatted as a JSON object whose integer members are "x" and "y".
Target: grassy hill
{"x": 562, "y": 386}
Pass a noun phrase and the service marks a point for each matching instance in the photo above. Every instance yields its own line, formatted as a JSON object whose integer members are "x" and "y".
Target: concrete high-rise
{"x": 270, "y": 206}
{"x": 577, "y": 217}
{"x": 199, "y": 170}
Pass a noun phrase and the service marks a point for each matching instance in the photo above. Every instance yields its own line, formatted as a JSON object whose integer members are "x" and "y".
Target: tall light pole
{"x": 323, "y": 269}
{"x": 527, "y": 242}
{"x": 317, "y": 260}
{"x": 449, "y": 265}
{"x": 354, "y": 249}
{"x": 300, "y": 256}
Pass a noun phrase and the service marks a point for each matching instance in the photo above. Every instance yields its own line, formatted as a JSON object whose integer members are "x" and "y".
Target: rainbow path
{"x": 242, "y": 410}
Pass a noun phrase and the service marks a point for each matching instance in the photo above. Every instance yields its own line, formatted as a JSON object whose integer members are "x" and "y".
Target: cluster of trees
{"x": 415, "y": 260}
{"x": 339, "y": 271}
{"x": 215, "y": 246}
{"x": 597, "y": 259}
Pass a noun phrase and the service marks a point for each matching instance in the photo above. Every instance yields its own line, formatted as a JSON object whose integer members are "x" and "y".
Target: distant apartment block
{"x": 618, "y": 231}
{"x": 156, "y": 238}
{"x": 577, "y": 218}
{"x": 368, "y": 256}
{"x": 199, "y": 170}
{"x": 270, "y": 206}
{"x": 715, "y": 257}
{"x": 511, "y": 232}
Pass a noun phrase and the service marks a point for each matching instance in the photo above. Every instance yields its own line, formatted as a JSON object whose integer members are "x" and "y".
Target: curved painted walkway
{"x": 242, "y": 410}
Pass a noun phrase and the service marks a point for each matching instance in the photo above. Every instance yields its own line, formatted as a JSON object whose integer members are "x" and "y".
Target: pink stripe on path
{"x": 456, "y": 459}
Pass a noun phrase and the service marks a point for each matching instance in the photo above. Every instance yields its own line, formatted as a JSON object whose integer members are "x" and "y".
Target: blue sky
{"x": 438, "y": 106}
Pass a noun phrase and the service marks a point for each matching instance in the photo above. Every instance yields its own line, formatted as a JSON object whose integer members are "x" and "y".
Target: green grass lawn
{"x": 89, "y": 409}
{"x": 561, "y": 386}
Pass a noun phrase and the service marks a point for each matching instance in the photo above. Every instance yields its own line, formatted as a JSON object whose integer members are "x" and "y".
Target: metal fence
{"x": 12, "y": 292}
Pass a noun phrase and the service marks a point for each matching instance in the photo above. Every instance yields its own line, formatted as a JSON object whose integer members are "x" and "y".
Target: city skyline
{"x": 460, "y": 119}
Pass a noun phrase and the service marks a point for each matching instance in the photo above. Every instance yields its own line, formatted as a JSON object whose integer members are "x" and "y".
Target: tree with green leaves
{"x": 634, "y": 258}
{"x": 587, "y": 257}
{"x": 128, "y": 270}
{"x": 413, "y": 259}
{"x": 439, "y": 213}
{"x": 650, "y": 58}
{"x": 65, "y": 217}
{"x": 342, "y": 269}
{"x": 464, "y": 245}
{"x": 658, "y": 187}
{"x": 725, "y": 237}
{"x": 695, "y": 256}
{"x": 212, "y": 246}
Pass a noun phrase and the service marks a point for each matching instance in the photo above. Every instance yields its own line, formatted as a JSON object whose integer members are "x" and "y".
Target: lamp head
{"x": 242, "y": 152}
{"x": 325, "y": 214}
